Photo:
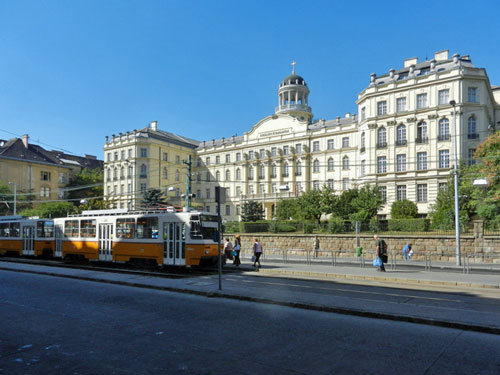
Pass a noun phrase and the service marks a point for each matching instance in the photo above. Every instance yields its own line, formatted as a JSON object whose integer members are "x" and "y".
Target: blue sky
{"x": 75, "y": 71}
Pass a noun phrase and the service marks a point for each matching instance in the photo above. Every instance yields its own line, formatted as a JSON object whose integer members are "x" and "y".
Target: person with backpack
{"x": 380, "y": 251}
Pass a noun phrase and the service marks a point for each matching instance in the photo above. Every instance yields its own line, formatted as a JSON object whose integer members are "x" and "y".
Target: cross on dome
{"x": 293, "y": 66}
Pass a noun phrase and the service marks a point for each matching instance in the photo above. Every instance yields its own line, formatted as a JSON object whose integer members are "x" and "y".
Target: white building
{"x": 403, "y": 140}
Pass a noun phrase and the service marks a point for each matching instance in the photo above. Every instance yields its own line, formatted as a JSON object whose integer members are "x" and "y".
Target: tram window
{"x": 125, "y": 228}
{"x": 208, "y": 233}
{"x": 88, "y": 228}
{"x": 14, "y": 230}
{"x": 209, "y": 218}
{"x": 4, "y": 230}
{"x": 195, "y": 232}
{"x": 147, "y": 227}
{"x": 44, "y": 229}
{"x": 71, "y": 228}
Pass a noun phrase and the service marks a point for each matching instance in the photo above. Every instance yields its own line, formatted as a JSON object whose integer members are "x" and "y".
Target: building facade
{"x": 403, "y": 141}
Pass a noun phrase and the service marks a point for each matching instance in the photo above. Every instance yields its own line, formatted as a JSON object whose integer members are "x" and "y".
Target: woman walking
{"x": 237, "y": 249}
{"x": 257, "y": 251}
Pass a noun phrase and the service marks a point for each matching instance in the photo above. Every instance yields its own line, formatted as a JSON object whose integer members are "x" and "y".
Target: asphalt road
{"x": 53, "y": 325}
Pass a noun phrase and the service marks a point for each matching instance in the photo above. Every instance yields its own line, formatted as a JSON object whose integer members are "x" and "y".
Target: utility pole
{"x": 455, "y": 175}
{"x": 219, "y": 229}
{"x": 15, "y": 197}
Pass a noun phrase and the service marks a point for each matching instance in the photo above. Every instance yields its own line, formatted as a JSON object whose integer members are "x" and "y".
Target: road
{"x": 54, "y": 325}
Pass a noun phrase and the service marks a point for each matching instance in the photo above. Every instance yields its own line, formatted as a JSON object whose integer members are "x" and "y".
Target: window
{"x": 274, "y": 188}
{"x": 298, "y": 187}
{"x": 345, "y": 142}
{"x": 472, "y": 95}
{"x": 217, "y": 159}
{"x": 262, "y": 153}
{"x": 345, "y": 183}
{"x": 274, "y": 171}
{"x": 228, "y": 158}
{"x": 125, "y": 228}
{"x": 237, "y": 209}
{"x": 198, "y": 177}
{"x": 383, "y": 193}
{"x": 285, "y": 170}
{"x": 238, "y": 174}
{"x": 330, "y": 184}
{"x": 207, "y": 177}
{"x": 207, "y": 160}
{"x": 177, "y": 159}
{"x": 444, "y": 158}
{"x": 330, "y": 165}
{"x": 165, "y": 173}
{"x": 198, "y": 193}
{"x": 401, "y": 192}
{"x": 363, "y": 114}
{"x": 45, "y": 192}
{"x": 422, "y": 132}
{"x": 238, "y": 191}
{"x": 444, "y": 130}
{"x": 401, "y": 135}
{"x": 129, "y": 153}
{"x": 330, "y": 144}
{"x": 116, "y": 155}
{"x": 401, "y": 104}
{"x": 381, "y": 164}
{"x": 382, "y": 138}
{"x": 298, "y": 148}
{"x": 471, "y": 127}
{"x": 109, "y": 156}
{"x": 71, "y": 228}
{"x": 250, "y": 155}
{"x": 316, "y": 185}
{"x": 262, "y": 171}
{"x": 122, "y": 154}
{"x": 401, "y": 163}
{"x": 363, "y": 168}
{"x": 144, "y": 171}
{"x": 217, "y": 176}
{"x": 130, "y": 171}
{"x": 470, "y": 156}
{"x": 88, "y": 228}
{"x": 207, "y": 208}
{"x": 228, "y": 175}
{"x": 250, "y": 173}
{"x": 345, "y": 162}
{"x": 44, "y": 229}
{"x": 45, "y": 176}
{"x": 316, "y": 166}
{"x": 298, "y": 168}
{"x": 382, "y": 108}
{"x": 262, "y": 189}
{"x": 421, "y": 101}
{"x": 228, "y": 210}
{"x": 143, "y": 187}
{"x": 421, "y": 161}
{"x": 238, "y": 156}
{"x": 422, "y": 193}
{"x": 147, "y": 227}
{"x": 442, "y": 186}
{"x": 198, "y": 162}
{"x": 207, "y": 193}
{"x": 443, "y": 97}
{"x": 316, "y": 146}
{"x": 144, "y": 152}
{"x": 63, "y": 178}
{"x": 273, "y": 151}
{"x": 165, "y": 156}
{"x": 250, "y": 189}
{"x": 363, "y": 142}
{"x": 286, "y": 150}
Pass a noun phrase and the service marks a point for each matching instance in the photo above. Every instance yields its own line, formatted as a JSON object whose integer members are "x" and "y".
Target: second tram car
{"x": 26, "y": 236}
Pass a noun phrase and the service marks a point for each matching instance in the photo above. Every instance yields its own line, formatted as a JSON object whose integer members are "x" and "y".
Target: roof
{"x": 169, "y": 137}
{"x": 293, "y": 79}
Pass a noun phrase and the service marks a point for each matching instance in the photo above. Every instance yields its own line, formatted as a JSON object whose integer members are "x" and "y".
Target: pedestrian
{"x": 315, "y": 247}
{"x": 380, "y": 251}
{"x": 410, "y": 254}
{"x": 406, "y": 251}
{"x": 236, "y": 250}
{"x": 257, "y": 251}
{"x": 228, "y": 248}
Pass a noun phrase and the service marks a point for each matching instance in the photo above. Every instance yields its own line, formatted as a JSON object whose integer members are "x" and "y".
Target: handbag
{"x": 377, "y": 262}
{"x": 234, "y": 253}
{"x": 254, "y": 258}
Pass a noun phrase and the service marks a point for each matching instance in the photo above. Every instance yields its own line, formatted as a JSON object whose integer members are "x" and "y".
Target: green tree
{"x": 51, "y": 210}
{"x": 343, "y": 206}
{"x": 366, "y": 203}
{"x": 153, "y": 198}
{"x": 87, "y": 186}
{"x": 404, "y": 209}
{"x": 287, "y": 209}
{"x": 310, "y": 205}
{"x": 23, "y": 200}
{"x": 5, "y": 198}
{"x": 252, "y": 211}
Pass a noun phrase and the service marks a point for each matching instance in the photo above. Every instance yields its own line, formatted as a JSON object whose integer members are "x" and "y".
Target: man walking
{"x": 315, "y": 247}
{"x": 380, "y": 251}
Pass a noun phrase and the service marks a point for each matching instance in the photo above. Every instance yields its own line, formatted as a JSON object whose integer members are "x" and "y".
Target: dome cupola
{"x": 293, "y": 96}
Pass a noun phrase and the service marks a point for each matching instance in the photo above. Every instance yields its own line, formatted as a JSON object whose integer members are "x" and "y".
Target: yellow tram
{"x": 26, "y": 236}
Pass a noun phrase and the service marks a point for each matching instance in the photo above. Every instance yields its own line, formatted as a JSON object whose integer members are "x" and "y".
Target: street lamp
{"x": 15, "y": 197}
{"x": 455, "y": 175}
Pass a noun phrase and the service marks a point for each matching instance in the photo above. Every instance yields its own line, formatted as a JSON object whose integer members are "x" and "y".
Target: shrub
{"x": 231, "y": 227}
{"x": 285, "y": 227}
{"x": 404, "y": 209}
{"x": 308, "y": 227}
{"x": 409, "y": 225}
{"x": 273, "y": 226}
{"x": 336, "y": 225}
{"x": 258, "y": 227}
{"x": 374, "y": 225}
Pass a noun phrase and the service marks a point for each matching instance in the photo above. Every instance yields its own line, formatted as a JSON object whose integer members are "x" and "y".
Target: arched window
{"x": 422, "y": 132}
{"x": 144, "y": 171}
{"x": 273, "y": 171}
{"x": 250, "y": 173}
{"x": 262, "y": 171}
{"x": 228, "y": 175}
{"x": 471, "y": 127}
{"x": 316, "y": 166}
{"x": 330, "y": 165}
{"x": 165, "y": 172}
{"x": 238, "y": 174}
{"x": 401, "y": 135}
{"x": 122, "y": 173}
{"x": 345, "y": 162}
{"x": 217, "y": 176}
{"x": 382, "y": 137}
{"x": 115, "y": 174}
{"x": 444, "y": 129}
{"x": 285, "y": 170}
{"x": 298, "y": 168}
{"x": 363, "y": 140}
{"x": 109, "y": 173}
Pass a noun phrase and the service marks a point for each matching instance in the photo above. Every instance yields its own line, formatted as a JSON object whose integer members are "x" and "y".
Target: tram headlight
{"x": 207, "y": 252}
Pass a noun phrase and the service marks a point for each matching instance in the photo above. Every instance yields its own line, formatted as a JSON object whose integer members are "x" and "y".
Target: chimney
{"x": 412, "y": 61}
{"x": 441, "y": 55}
{"x": 153, "y": 125}
{"x": 347, "y": 115}
{"x": 25, "y": 140}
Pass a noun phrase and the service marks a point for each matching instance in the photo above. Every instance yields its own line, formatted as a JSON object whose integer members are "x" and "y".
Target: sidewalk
{"x": 461, "y": 301}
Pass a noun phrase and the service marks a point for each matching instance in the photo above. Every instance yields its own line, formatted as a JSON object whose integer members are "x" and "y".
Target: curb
{"x": 304, "y": 306}
{"x": 324, "y": 275}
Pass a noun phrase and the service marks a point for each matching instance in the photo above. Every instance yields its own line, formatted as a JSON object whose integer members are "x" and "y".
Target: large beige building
{"x": 403, "y": 140}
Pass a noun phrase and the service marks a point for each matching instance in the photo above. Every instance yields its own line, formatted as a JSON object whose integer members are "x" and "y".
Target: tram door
{"x": 29, "y": 240}
{"x": 106, "y": 242}
{"x": 59, "y": 234}
{"x": 174, "y": 244}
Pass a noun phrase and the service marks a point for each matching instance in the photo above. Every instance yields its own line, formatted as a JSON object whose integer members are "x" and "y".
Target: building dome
{"x": 293, "y": 96}
{"x": 293, "y": 79}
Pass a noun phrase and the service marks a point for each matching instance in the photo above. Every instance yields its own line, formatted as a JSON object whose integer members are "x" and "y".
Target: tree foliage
{"x": 404, "y": 209}
{"x": 252, "y": 211}
{"x": 287, "y": 209}
{"x": 153, "y": 198}
{"x": 366, "y": 203}
{"x": 23, "y": 201}
{"x": 51, "y": 210}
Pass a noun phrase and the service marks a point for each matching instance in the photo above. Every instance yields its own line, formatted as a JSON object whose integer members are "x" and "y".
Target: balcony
{"x": 472, "y": 136}
{"x": 295, "y": 107}
{"x": 382, "y": 145}
{"x": 401, "y": 142}
{"x": 424, "y": 139}
{"x": 443, "y": 137}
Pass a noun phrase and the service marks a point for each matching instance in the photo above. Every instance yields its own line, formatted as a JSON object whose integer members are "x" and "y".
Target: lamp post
{"x": 15, "y": 196}
{"x": 455, "y": 175}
